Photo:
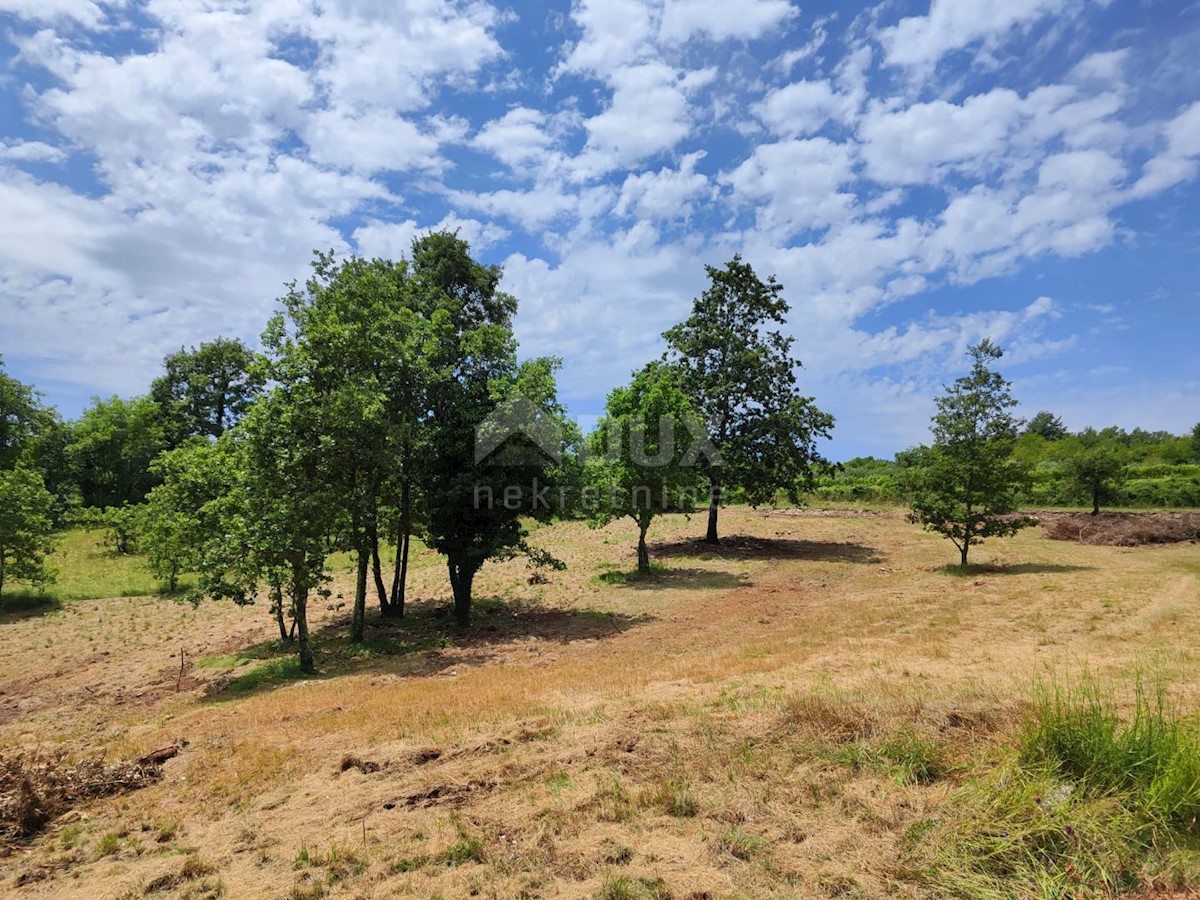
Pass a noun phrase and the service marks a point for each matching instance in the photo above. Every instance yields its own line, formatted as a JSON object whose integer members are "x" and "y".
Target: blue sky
{"x": 917, "y": 176}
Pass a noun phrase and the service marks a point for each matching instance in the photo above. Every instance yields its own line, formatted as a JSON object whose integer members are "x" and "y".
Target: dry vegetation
{"x": 806, "y": 712}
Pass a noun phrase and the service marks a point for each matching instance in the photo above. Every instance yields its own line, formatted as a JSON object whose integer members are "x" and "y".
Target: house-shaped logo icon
{"x": 516, "y": 431}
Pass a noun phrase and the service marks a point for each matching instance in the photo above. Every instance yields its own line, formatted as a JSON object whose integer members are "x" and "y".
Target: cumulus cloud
{"x": 164, "y": 182}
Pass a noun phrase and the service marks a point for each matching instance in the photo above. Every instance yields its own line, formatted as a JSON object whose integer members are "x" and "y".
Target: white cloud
{"x": 1181, "y": 159}
{"x": 795, "y": 185}
{"x": 31, "y": 151}
{"x": 721, "y": 20}
{"x": 665, "y": 194}
{"x": 922, "y": 142}
{"x": 920, "y": 42}
{"x": 373, "y": 141}
{"x": 800, "y": 109}
{"x": 85, "y": 12}
{"x": 393, "y": 240}
{"x": 648, "y": 115}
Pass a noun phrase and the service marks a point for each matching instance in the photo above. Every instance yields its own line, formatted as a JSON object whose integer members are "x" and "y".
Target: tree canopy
{"x": 966, "y": 486}
{"x": 740, "y": 377}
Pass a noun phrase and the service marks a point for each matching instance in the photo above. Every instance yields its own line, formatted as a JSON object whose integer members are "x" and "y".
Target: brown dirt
{"x": 691, "y": 727}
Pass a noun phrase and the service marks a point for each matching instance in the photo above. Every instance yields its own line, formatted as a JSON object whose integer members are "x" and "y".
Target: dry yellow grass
{"x": 734, "y": 727}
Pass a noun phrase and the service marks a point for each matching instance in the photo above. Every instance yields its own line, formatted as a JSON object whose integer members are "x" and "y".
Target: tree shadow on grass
{"x": 425, "y": 642}
{"x": 665, "y": 578}
{"x": 740, "y": 547}
{"x": 974, "y": 569}
{"x": 28, "y": 605}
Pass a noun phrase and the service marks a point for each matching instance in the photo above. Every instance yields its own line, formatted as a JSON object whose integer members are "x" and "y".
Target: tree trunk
{"x": 963, "y": 550}
{"x": 359, "y": 619}
{"x": 403, "y": 530}
{"x": 277, "y": 608}
{"x": 643, "y": 553}
{"x": 461, "y": 578}
{"x": 1095, "y": 502}
{"x": 300, "y": 608}
{"x": 377, "y": 569}
{"x": 1, "y": 570}
{"x": 714, "y": 507}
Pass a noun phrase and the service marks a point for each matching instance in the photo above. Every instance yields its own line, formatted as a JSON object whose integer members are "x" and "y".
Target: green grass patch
{"x": 1088, "y": 802}
{"x": 87, "y": 570}
{"x": 269, "y": 674}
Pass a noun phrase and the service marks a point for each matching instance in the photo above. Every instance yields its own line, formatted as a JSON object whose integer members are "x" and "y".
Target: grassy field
{"x": 819, "y": 708}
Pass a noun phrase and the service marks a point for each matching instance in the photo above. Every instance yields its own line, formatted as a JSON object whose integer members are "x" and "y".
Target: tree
{"x": 362, "y": 343}
{"x": 641, "y": 462}
{"x": 20, "y": 417}
{"x": 1096, "y": 471}
{"x": 473, "y": 503}
{"x": 205, "y": 390}
{"x": 26, "y": 527}
{"x": 111, "y": 448}
{"x": 1047, "y": 425}
{"x": 966, "y": 486}
{"x": 1196, "y": 443}
{"x": 741, "y": 379}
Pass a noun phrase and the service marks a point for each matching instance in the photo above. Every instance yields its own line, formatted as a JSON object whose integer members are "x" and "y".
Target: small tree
{"x": 26, "y": 527}
{"x": 641, "y": 461}
{"x": 1097, "y": 471}
{"x": 1047, "y": 425}
{"x": 966, "y": 486}
{"x": 1196, "y": 443}
{"x": 741, "y": 379}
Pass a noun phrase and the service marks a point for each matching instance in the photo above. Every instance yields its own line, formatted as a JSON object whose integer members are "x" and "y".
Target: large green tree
{"x": 205, "y": 390}
{"x": 642, "y": 461}
{"x": 966, "y": 486}
{"x": 26, "y": 527}
{"x": 474, "y": 503}
{"x": 21, "y": 416}
{"x": 110, "y": 450}
{"x": 740, "y": 376}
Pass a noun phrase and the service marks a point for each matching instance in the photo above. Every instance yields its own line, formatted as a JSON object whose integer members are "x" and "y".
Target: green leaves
{"x": 26, "y": 527}
{"x": 741, "y": 379}
{"x": 966, "y": 486}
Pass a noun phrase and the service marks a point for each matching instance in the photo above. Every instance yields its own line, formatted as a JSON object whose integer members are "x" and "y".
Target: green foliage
{"x": 473, "y": 508}
{"x": 1047, "y": 426}
{"x": 26, "y": 527}
{"x": 1195, "y": 443}
{"x": 741, "y": 380}
{"x": 966, "y": 485}
{"x": 1096, "y": 471}
{"x": 21, "y": 417}
{"x": 121, "y": 526}
{"x": 204, "y": 391}
{"x": 111, "y": 448}
{"x": 643, "y": 459}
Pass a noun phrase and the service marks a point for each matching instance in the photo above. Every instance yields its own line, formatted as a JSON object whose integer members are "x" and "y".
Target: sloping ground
{"x": 772, "y": 719}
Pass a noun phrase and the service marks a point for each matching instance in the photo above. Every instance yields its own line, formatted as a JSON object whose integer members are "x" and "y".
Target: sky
{"x": 916, "y": 176}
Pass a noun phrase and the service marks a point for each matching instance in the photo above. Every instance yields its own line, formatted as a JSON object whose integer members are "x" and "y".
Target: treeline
{"x": 389, "y": 402}
{"x": 1094, "y": 468}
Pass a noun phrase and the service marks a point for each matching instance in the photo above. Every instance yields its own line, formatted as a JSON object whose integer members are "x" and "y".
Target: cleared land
{"x": 787, "y": 716}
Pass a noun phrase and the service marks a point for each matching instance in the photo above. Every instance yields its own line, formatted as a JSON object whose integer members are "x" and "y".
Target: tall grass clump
{"x": 1086, "y": 802}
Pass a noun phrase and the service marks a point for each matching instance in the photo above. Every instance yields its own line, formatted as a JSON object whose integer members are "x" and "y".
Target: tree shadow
{"x": 28, "y": 605}
{"x": 664, "y": 577}
{"x": 745, "y": 547}
{"x": 974, "y": 569}
{"x": 425, "y": 642}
